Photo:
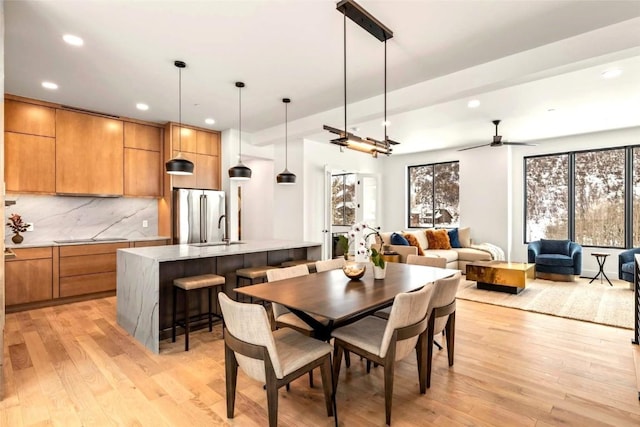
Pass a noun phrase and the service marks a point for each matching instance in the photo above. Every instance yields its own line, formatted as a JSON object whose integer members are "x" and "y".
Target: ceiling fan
{"x": 497, "y": 140}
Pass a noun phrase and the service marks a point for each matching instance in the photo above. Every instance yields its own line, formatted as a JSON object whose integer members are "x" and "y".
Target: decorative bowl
{"x": 354, "y": 270}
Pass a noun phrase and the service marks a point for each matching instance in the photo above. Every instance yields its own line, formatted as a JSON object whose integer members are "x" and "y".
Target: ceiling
{"x": 519, "y": 58}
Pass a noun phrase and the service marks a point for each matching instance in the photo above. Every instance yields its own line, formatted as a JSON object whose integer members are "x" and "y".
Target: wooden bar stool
{"x": 252, "y": 274}
{"x": 186, "y": 284}
{"x": 310, "y": 264}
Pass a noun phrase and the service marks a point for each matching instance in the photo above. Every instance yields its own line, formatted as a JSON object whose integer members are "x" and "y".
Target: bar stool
{"x": 252, "y": 274}
{"x": 311, "y": 265}
{"x": 186, "y": 284}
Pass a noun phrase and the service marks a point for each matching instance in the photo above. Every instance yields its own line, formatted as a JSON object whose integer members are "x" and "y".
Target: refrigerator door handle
{"x": 205, "y": 215}
{"x": 202, "y": 240}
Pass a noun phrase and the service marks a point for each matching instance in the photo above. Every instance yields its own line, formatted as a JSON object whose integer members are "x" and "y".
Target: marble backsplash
{"x": 63, "y": 217}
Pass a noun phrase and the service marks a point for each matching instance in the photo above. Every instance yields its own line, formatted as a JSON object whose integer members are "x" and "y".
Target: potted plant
{"x": 375, "y": 254}
{"x": 18, "y": 226}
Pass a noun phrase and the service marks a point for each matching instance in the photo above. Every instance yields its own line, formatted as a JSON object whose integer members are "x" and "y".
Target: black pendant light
{"x": 285, "y": 177}
{"x": 179, "y": 165}
{"x": 240, "y": 172}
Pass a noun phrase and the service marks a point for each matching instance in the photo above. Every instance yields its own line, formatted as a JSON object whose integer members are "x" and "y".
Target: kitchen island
{"x": 145, "y": 278}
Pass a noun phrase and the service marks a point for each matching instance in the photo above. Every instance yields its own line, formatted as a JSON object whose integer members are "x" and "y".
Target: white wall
{"x": 257, "y": 201}
{"x": 288, "y": 217}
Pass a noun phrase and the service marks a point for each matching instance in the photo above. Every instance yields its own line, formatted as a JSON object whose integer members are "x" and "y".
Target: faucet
{"x": 224, "y": 232}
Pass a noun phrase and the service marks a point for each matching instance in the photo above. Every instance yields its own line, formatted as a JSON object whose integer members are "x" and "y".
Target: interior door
{"x": 367, "y": 195}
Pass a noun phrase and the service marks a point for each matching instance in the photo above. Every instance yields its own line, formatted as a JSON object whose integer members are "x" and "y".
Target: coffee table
{"x": 501, "y": 276}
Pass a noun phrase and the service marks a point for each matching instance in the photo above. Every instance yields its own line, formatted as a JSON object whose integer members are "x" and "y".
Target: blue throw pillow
{"x": 555, "y": 247}
{"x": 398, "y": 239}
{"x": 453, "y": 238}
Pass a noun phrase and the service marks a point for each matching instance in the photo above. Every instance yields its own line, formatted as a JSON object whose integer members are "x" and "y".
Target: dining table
{"x": 332, "y": 295}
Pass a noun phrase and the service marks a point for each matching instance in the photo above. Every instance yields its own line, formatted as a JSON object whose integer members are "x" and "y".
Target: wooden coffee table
{"x": 501, "y": 276}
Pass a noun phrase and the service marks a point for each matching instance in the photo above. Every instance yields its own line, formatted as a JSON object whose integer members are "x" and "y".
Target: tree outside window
{"x": 636, "y": 197}
{"x": 343, "y": 199}
{"x": 434, "y": 196}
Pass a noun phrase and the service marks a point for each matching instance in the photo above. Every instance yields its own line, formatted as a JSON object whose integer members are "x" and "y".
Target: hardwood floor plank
{"x": 73, "y": 365}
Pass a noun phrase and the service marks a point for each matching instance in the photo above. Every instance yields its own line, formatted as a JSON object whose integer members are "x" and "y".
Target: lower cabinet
{"x": 29, "y": 276}
{"x": 87, "y": 269}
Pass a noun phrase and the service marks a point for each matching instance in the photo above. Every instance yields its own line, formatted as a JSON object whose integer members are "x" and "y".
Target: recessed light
{"x": 474, "y": 103}
{"x": 73, "y": 40}
{"x": 551, "y": 110}
{"x": 141, "y": 106}
{"x": 612, "y": 73}
{"x": 49, "y": 85}
{"x": 209, "y": 121}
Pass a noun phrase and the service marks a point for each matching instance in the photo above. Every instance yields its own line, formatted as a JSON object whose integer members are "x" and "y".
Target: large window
{"x": 343, "y": 196}
{"x": 591, "y": 197}
{"x": 547, "y": 182}
{"x": 434, "y": 196}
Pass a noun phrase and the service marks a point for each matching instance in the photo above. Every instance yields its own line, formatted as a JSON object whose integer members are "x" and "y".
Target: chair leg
{"x": 311, "y": 378}
{"x": 347, "y": 358}
{"x": 272, "y": 402}
{"x": 173, "y": 316}
{"x": 368, "y": 366}
{"x": 210, "y": 312}
{"x": 337, "y": 361}
{"x": 451, "y": 334}
{"x": 327, "y": 386}
{"x": 421, "y": 359}
{"x": 186, "y": 321}
{"x": 388, "y": 389}
{"x": 430, "y": 349}
{"x": 231, "y": 368}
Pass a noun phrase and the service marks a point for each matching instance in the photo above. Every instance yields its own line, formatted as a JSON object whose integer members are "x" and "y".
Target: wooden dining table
{"x": 333, "y": 295}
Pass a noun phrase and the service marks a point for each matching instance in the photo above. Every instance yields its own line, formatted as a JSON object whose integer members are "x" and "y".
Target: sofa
{"x": 555, "y": 259}
{"x": 458, "y": 254}
{"x": 626, "y": 264}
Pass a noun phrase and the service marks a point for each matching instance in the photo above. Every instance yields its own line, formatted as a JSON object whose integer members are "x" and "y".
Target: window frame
{"x": 627, "y": 189}
{"x": 433, "y": 192}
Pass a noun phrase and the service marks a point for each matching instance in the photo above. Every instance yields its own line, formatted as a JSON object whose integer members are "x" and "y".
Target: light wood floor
{"x": 72, "y": 365}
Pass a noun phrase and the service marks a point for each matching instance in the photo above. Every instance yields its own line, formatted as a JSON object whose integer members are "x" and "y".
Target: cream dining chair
{"x": 274, "y": 358}
{"x": 385, "y": 342}
{"x": 329, "y": 264}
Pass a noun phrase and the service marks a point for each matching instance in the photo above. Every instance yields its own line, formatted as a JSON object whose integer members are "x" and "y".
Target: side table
{"x": 601, "y": 257}
{"x": 391, "y": 257}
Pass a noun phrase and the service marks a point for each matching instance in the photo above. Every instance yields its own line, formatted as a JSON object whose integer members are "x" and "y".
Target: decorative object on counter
{"x": 354, "y": 270}
{"x": 240, "y": 172}
{"x": 375, "y": 254}
{"x": 179, "y": 165}
{"x": 18, "y": 226}
{"x": 285, "y": 177}
{"x": 350, "y": 9}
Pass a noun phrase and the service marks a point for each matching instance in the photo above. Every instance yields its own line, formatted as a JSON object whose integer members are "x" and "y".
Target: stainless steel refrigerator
{"x": 199, "y": 216}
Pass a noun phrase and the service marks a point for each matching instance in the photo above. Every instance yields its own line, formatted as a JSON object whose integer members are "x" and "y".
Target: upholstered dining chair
{"x": 281, "y": 314}
{"x": 442, "y": 317}
{"x": 274, "y": 358}
{"x": 329, "y": 264}
{"x": 385, "y": 342}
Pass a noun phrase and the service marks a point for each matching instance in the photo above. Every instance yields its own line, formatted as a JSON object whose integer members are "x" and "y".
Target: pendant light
{"x": 240, "y": 172}
{"x": 179, "y": 165}
{"x": 285, "y": 177}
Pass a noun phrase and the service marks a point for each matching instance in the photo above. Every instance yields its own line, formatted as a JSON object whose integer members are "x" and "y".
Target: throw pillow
{"x": 419, "y": 234}
{"x": 438, "y": 239}
{"x": 398, "y": 239}
{"x": 464, "y": 236}
{"x": 453, "y": 238}
{"x": 413, "y": 241}
{"x": 555, "y": 247}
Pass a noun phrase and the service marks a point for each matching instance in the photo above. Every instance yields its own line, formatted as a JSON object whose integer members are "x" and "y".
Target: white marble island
{"x": 145, "y": 276}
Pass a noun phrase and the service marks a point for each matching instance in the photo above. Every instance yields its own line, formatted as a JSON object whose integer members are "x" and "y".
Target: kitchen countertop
{"x": 52, "y": 243}
{"x": 184, "y": 251}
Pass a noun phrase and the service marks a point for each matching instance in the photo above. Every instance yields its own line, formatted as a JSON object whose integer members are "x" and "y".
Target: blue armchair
{"x": 562, "y": 257}
{"x": 625, "y": 264}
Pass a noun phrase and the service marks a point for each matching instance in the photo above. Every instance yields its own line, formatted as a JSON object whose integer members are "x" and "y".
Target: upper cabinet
{"x": 200, "y": 146}
{"x": 29, "y": 147}
{"x": 89, "y": 154}
{"x": 142, "y": 160}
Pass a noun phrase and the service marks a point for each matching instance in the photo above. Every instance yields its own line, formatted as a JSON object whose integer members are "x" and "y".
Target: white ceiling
{"x": 519, "y": 58}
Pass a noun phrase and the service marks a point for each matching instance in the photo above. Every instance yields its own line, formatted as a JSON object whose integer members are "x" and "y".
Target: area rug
{"x": 596, "y": 302}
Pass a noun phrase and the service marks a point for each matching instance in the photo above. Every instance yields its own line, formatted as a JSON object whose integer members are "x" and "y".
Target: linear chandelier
{"x": 350, "y": 9}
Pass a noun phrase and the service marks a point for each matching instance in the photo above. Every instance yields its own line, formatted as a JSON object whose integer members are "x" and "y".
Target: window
{"x": 343, "y": 195}
{"x": 636, "y": 197}
{"x": 434, "y": 196}
{"x": 547, "y": 192}
{"x": 591, "y": 197}
{"x": 599, "y": 210}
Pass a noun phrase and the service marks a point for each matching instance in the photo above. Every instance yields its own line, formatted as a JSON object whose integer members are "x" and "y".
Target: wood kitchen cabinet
{"x": 29, "y": 163}
{"x": 29, "y": 276}
{"x": 202, "y": 147}
{"x": 89, "y": 154}
{"x": 28, "y": 118}
{"x": 88, "y": 269}
{"x": 142, "y": 160}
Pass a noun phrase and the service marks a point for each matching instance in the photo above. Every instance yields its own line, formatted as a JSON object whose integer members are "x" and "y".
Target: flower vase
{"x": 379, "y": 272}
{"x": 17, "y": 238}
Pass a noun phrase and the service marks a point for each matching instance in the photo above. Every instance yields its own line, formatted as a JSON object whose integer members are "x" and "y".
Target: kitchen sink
{"x": 200, "y": 245}
{"x": 96, "y": 239}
